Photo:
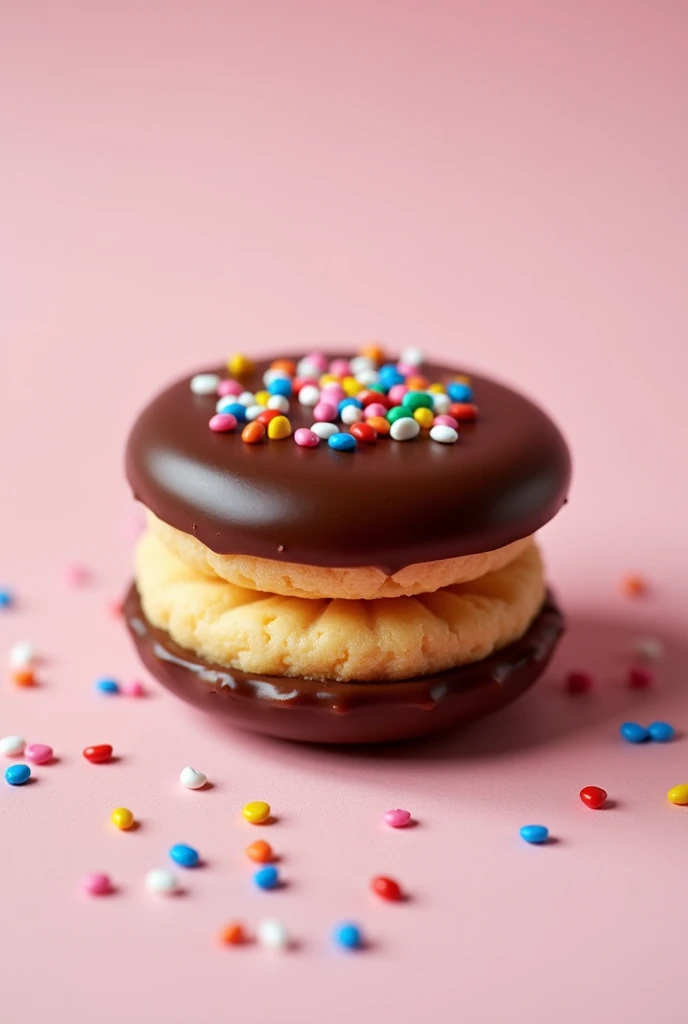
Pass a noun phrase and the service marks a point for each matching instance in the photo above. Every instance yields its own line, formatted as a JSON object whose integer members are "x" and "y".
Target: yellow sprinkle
{"x": 437, "y": 389}
{"x": 328, "y": 378}
{"x": 257, "y": 811}
{"x": 279, "y": 428}
{"x": 425, "y": 417}
{"x": 239, "y": 364}
{"x": 122, "y": 818}
{"x": 679, "y": 794}
{"x": 262, "y": 397}
{"x": 351, "y": 386}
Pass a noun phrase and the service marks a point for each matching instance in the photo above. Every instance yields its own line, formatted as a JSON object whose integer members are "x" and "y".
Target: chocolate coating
{"x": 331, "y": 712}
{"x": 391, "y": 504}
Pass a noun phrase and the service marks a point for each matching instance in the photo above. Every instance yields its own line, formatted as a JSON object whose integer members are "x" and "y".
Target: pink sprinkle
{"x": 229, "y": 387}
{"x": 579, "y": 682}
{"x": 397, "y": 818}
{"x": 340, "y": 368}
{"x": 324, "y": 412}
{"x": 116, "y": 609}
{"x": 397, "y": 392}
{"x": 446, "y": 421}
{"x": 374, "y": 409}
{"x": 96, "y": 884}
{"x": 302, "y": 382}
{"x": 135, "y": 689}
{"x": 407, "y": 369}
{"x": 317, "y": 359}
{"x": 333, "y": 393}
{"x": 76, "y": 574}
{"x": 38, "y": 753}
{"x": 640, "y": 678}
{"x": 306, "y": 438}
{"x": 222, "y": 422}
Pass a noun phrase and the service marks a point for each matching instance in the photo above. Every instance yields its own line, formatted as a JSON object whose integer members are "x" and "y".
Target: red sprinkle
{"x": 579, "y": 682}
{"x": 265, "y": 417}
{"x": 98, "y": 754}
{"x": 593, "y": 796}
{"x": 233, "y": 934}
{"x": 374, "y": 398}
{"x": 463, "y": 411}
{"x": 387, "y": 888}
{"x": 364, "y": 432}
{"x": 639, "y": 678}
{"x": 633, "y": 586}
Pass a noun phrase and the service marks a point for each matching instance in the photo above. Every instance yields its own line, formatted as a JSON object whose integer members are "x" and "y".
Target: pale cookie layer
{"x": 366, "y": 583}
{"x": 334, "y": 639}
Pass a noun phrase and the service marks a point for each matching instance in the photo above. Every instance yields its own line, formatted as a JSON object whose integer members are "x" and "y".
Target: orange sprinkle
{"x": 462, "y": 378}
{"x": 633, "y": 586}
{"x": 373, "y": 351}
{"x": 380, "y": 425}
{"x": 260, "y": 851}
{"x": 288, "y": 365}
{"x": 233, "y": 934}
{"x": 253, "y": 432}
{"x": 417, "y": 383}
{"x": 24, "y": 677}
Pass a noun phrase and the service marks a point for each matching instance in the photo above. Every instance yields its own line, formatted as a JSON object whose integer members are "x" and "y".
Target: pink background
{"x": 501, "y": 183}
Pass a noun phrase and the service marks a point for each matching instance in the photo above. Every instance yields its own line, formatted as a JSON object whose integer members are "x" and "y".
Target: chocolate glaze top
{"x": 390, "y": 505}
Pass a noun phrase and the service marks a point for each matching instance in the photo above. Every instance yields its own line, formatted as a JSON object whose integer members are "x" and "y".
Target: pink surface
{"x": 501, "y": 183}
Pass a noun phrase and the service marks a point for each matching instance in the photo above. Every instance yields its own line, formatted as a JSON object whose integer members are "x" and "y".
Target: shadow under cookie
{"x": 335, "y": 712}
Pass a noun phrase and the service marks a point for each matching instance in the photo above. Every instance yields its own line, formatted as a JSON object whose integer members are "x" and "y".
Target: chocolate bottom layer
{"x": 333, "y": 712}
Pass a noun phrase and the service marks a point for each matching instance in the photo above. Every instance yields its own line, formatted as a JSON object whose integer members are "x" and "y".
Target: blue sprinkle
{"x": 280, "y": 386}
{"x": 106, "y": 685}
{"x": 534, "y": 833}
{"x": 460, "y": 392}
{"x": 267, "y": 877}
{"x": 17, "y": 774}
{"x": 342, "y": 442}
{"x": 6, "y": 598}
{"x": 184, "y": 855}
{"x": 634, "y": 733}
{"x": 348, "y": 935}
{"x": 348, "y": 401}
{"x": 230, "y": 404}
{"x": 661, "y": 732}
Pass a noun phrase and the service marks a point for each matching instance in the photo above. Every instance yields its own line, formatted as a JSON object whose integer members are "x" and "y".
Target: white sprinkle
{"x": 271, "y": 375}
{"x": 12, "y": 746}
{"x": 443, "y": 434}
{"x": 272, "y": 934}
{"x": 405, "y": 429}
{"x": 204, "y": 383}
{"x": 162, "y": 880}
{"x": 440, "y": 404}
{"x": 649, "y": 648}
{"x": 304, "y": 368}
{"x": 359, "y": 364}
{"x": 351, "y": 414}
{"x": 309, "y": 395}
{"x": 278, "y": 402}
{"x": 246, "y": 398}
{"x": 368, "y": 377}
{"x": 324, "y": 430}
{"x": 225, "y": 402}
{"x": 254, "y": 411}
{"x": 412, "y": 357}
{"x": 192, "y": 779}
{"x": 23, "y": 654}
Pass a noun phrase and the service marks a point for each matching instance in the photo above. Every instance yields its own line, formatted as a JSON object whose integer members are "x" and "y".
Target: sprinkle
{"x": 262, "y": 398}
{"x": 239, "y": 364}
{"x": 333, "y": 394}
{"x": 184, "y": 855}
{"x": 417, "y": 400}
{"x": 247, "y": 399}
{"x": 101, "y": 753}
{"x": 639, "y": 677}
{"x": 229, "y": 387}
{"x": 134, "y": 689}
{"x": 460, "y": 393}
{"x": 274, "y": 373}
{"x": 76, "y": 574}
{"x": 161, "y": 880}
{"x": 280, "y": 387}
{"x": 424, "y": 417}
{"x": 464, "y": 412}
{"x": 352, "y": 386}
{"x": 441, "y": 404}
{"x": 359, "y": 364}
{"x": 414, "y": 383}
{"x": 534, "y": 833}
{"x": 406, "y": 429}
{"x": 364, "y": 432}
{"x": 397, "y": 818}
{"x": 399, "y": 412}
{"x": 413, "y": 356}
{"x": 306, "y": 438}
{"x": 260, "y": 851}
{"x": 107, "y": 686}
{"x": 351, "y": 414}
{"x": 12, "y": 746}
{"x": 324, "y": 412}
{"x": 231, "y": 407}
{"x": 279, "y": 428}
{"x": 24, "y": 677}
{"x": 309, "y": 395}
{"x": 593, "y": 797}
{"x": 649, "y": 648}
{"x": 205, "y": 384}
{"x": 380, "y": 425}
{"x": 233, "y": 934}
{"x": 267, "y": 877}
{"x": 678, "y": 794}
{"x": 17, "y": 774}
{"x": 122, "y": 818}
{"x": 223, "y": 423}
{"x": 318, "y": 360}
{"x": 348, "y": 935}
{"x": 268, "y": 416}
{"x": 324, "y": 430}
{"x": 191, "y": 779}
{"x": 96, "y": 884}
{"x": 253, "y": 433}
{"x": 579, "y": 682}
{"x": 661, "y": 732}
{"x": 373, "y": 351}
{"x": 342, "y": 442}
{"x": 23, "y": 654}
{"x": 634, "y": 733}
{"x": 397, "y": 393}
{"x": 633, "y": 586}
{"x": 257, "y": 812}
{"x": 6, "y": 598}
{"x": 278, "y": 402}
{"x": 368, "y": 377}
{"x": 272, "y": 934}
{"x": 306, "y": 368}
{"x": 374, "y": 409}
{"x": 446, "y": 421}
{"x": 38, "y": 753}
{"x": 445, "y": 435}
{"x": 340, "y": 368}
{"x": 386, "y": 888}
{"x": 437, "y": 389}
